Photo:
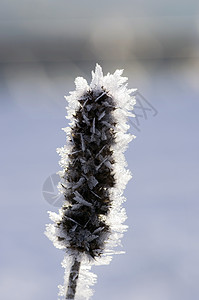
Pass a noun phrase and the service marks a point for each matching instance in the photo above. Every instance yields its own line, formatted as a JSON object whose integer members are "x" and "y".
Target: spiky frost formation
{"x": 94, "y": 175}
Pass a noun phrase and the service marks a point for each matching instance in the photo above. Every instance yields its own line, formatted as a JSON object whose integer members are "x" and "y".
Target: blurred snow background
{"x": 44, "y": 46}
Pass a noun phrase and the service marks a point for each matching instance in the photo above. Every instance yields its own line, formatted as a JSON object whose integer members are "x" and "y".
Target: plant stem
{"x": 72, "y": 282}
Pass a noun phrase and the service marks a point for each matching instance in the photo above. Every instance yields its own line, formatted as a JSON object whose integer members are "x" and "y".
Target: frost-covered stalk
{"x": 72, "y": 281}
{"x": 90, "y": 222}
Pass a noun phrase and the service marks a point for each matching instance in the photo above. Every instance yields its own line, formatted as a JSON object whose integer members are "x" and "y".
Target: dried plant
{"x": 90, "y": 223}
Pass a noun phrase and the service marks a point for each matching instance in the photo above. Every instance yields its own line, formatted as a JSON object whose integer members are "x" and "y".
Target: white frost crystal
{"x": 110, "y": 100}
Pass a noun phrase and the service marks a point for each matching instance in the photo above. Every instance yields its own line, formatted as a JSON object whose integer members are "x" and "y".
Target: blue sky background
{"x": 162, "y": 245}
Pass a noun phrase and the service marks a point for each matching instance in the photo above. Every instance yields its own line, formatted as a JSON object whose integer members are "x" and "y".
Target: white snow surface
{"x": 116, "y": 85}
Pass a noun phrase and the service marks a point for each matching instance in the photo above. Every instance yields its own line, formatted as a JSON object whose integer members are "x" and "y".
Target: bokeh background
{"x": 44, "y": 45}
